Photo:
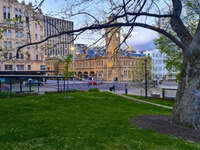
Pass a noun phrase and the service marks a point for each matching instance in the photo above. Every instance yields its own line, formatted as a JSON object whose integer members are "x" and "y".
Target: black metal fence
{"x": 42, "y": 84}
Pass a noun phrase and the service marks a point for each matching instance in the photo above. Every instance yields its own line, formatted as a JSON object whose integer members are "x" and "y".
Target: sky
{"x": 141, "y": 38}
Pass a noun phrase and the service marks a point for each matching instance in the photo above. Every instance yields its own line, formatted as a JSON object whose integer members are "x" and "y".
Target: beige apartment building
{"x": 20, "y": 25}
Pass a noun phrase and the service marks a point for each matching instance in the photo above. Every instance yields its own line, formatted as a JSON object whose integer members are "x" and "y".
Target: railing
{"x": 9, "y": 25}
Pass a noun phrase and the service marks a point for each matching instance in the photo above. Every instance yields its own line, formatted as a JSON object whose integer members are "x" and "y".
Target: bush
{"x": 73, "y": 90}
{"x": 93, "y": 90}
{"x": 6, "y": 94}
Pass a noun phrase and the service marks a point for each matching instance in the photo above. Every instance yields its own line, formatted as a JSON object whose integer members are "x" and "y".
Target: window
{"x": 16, "y": 13}
{"x": 20, "y": 15}
{"x": 10, "y": 44}
{"x": 42, "y": 67}
{"x": 27, "y": 20}
{"x": 20, "y": 67}
{"x": 10, "y": 55}
{"x": 8, "y": 12}
{"x": 5, "y": 33}
{"x": 29, "y": 67}
{"x": 4, "y": 14}
{"x": 36, "y": 26}
{"x": 5, "y": 55}
{"x": 5, "y": 44}
{"x": 8, "y": 67}
{"x": 36, "y": 36}
{"x": 36, "y": 46}
{"x": 21, "y": 35}
{"x": 9, "y": 33}
{"x": 16, "y": 44}
{"x": 22, "y": 56}
{"x": 27, "y": 35}
{"x": 36, "y": 57}
{"x": 16, "y": 34}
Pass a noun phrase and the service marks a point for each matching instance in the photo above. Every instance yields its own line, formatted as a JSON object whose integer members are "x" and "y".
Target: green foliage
{"x": 173, "y": 54}
{"x": 6, "y": 94}
{"x": 166, "y": 46}
{"x": 73, "y": 90}
{"x": 138, "y": 70}
{"x": 67, "y": 61}
{"x": 93, "y": 90}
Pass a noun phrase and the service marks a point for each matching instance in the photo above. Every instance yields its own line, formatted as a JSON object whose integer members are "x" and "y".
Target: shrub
{"x": 73, "y": 90}
{"x": 93, "y": 90}
{"x": 6, "y": 94}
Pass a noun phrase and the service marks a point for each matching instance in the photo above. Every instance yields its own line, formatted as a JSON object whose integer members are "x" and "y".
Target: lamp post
{"x": 145, "y": 66}
{"x": 72, "y": 48}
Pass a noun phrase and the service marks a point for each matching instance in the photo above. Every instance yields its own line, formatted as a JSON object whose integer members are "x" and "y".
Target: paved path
{"x": 141, "y": 101}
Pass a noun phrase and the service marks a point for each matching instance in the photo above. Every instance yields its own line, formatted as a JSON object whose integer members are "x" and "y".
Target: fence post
{"x": 58, "y": 84}
{"x": 30, "y": 83}
{"x": 163, "y": 93}
{"x": 38, "y": 86}
{"x": 20, "y": 86}
{"x": 0, "y": 85}
{"x": 64, "y": 84}
{"x": 10, "y": 86}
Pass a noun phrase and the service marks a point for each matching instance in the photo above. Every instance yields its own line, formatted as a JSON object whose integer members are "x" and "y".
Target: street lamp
{"x": 145, "y": 65}
{"x": 72, "y": 48}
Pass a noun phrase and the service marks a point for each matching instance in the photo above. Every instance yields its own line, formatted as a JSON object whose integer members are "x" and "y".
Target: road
{"x": 54, "y": 85}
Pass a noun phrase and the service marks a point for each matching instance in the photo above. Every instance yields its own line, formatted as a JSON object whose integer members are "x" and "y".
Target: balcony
{"x": 11, "y": 26}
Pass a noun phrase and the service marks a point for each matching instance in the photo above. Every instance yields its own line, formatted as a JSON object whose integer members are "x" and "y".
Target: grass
{"x": 155, "y": 100}
{"x": 88, "y": 121}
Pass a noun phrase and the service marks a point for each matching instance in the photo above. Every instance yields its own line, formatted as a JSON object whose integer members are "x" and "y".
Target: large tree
{"x": 143, "y": 13}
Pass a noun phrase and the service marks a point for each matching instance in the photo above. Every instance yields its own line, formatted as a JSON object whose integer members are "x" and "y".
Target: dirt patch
{"x": 163, "y": 124}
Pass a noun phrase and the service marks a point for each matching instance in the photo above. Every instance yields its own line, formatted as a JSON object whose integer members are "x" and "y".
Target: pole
{"x": 20, "y": 86}
{"x": 58, "y": 84}
{"x": 64, "y": 84}
{"x": 38, "y": 86}
{"x": 145, "y": 60}
{"x": 10, "y": 86}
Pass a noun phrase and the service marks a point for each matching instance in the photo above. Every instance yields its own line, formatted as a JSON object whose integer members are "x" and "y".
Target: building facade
{"x": 58, "y": 46}
{"x": 21, "y": 24}
{"x": 159, "y": 70}
{"x": 112, "y": 65}
{"x": 19, "y": 28}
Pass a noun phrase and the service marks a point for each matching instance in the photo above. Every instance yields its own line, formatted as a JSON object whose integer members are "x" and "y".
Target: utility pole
{"x": 145, "y": 63}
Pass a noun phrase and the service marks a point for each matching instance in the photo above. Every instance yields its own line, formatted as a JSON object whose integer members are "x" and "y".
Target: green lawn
{"x": 155, "y": 100}
{"x": 88, "y": 121}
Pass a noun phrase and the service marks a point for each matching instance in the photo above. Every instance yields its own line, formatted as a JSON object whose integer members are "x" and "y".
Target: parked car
{"x": 92, "y": 82}
{"x": 35, "y": 82}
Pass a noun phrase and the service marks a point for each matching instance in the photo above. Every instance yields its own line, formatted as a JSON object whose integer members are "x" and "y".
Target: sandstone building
{"x": 21, "y": 24}
{"x": 112, "y": 65}
{"x": 19, "y": 28}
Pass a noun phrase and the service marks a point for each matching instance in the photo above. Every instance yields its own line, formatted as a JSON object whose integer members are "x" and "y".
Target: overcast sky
{"x": 141, "y": 39}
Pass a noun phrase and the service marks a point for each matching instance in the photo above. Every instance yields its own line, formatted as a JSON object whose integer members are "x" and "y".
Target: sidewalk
{"x": 141, "y": 101}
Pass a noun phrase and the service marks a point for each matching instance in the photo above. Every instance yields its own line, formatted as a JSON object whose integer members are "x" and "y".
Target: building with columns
{"x": 113, "y": 64}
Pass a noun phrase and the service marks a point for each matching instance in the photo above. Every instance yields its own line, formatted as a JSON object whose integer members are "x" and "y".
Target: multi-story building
{"x": 20, "y": 25}
{"x": 58, "y": 46}
{"x": 159, "y": 71}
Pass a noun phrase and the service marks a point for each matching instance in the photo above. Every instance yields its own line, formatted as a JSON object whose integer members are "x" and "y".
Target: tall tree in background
{"x": 143, "y": 13}
{"x": 173, "y": 52}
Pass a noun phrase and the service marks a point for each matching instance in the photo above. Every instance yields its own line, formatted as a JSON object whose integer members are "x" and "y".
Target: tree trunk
{"x": 187, "y": 106}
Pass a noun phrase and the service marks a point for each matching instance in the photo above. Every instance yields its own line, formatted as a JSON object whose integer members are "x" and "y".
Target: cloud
{"x": 142, "y": 39}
